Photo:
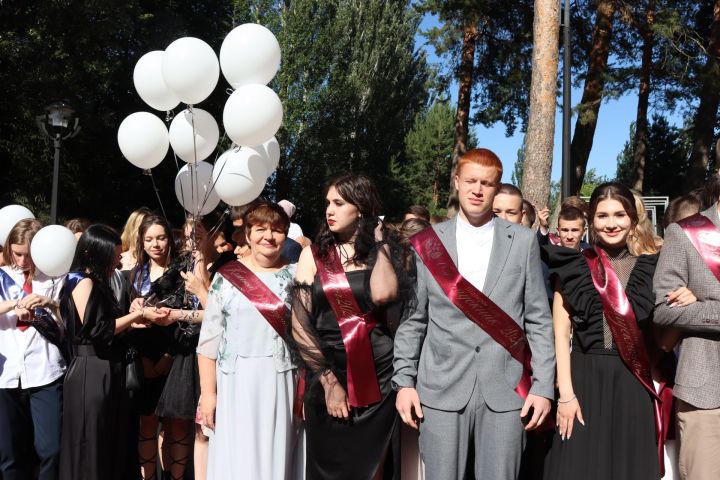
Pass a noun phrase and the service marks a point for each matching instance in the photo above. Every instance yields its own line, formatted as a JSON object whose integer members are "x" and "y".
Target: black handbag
{"x": 133, "y": 370}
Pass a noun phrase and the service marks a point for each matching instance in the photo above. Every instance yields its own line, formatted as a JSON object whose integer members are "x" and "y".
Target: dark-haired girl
{"x": 602, "y": 307}
{"x": 95, "y": 413}
{"x": 349, "y": 419}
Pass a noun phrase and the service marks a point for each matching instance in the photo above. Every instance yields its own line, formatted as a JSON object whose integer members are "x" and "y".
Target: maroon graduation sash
{"x": 554, "y": 239}
{"x": 705, "y": 237}
{"x": 625, "y": 331}
{"x": 474, "y": 304}
{"x": 270, "y": 306}
{"x": 355, "y": 327}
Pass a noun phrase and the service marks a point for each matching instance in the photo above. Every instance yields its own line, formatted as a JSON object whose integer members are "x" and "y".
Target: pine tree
{"x": 425, "y": 176}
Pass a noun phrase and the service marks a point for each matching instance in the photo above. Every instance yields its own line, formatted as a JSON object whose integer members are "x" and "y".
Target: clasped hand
{"x": 33, "y": 301}
{"x": 150, "y": 315}
{"x": 24, "y": 309}
{"x": 194, "y": 284}
{"x": 540, "y": 407}
{"x": 336, "y": 399}
{"x": 681, "y": 297}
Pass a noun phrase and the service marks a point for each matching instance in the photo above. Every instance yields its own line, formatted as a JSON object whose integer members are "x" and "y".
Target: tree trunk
{"x": 465, "y": 78}
{"x": 543, "y": 92}
{"x": 706, "y": 116}
{"x": 641, "y": 122}
{"x": 592, "y": 93}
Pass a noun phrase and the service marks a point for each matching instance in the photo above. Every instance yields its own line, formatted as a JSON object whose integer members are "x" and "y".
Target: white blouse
{"x": 27, "y": 359}
{"x": 232, "y": 327}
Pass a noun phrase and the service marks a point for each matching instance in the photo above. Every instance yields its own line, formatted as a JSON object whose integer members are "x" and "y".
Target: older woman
{"x": 246, "y": 375}
{"x": 31, "y": 364}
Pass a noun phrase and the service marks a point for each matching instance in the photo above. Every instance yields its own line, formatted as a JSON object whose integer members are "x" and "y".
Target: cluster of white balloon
{"x": 188, "y": 71}
{"x": 52, "y": 248}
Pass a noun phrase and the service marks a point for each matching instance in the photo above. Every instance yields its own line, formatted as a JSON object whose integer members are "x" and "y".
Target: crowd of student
{"x": 439, "y": 348}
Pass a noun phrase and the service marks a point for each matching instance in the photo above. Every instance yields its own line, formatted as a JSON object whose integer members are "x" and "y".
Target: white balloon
{"x": 252, "y": 115}
{"x": 249, "y": 54}
{"x": 190, "y": 69}
{"x": 239, "y": 176}
{"x": 9, "y": 216}
{"x": 207, "y": 135}
{"x": 270, "y": 153}
{"x": 149, "y": 82}
{"x": 52, "y": 250}
{"x": 143, "y": 139}
{"x": 197, "y": 198}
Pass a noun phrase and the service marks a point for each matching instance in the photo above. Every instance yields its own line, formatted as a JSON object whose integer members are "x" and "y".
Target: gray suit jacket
{"x": 697, "y": 381}
{"x": 440, "y": 352}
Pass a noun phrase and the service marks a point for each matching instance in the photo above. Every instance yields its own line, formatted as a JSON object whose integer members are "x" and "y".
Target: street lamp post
{"x": 58, "y": 123}
{"x": 566, "y": 187}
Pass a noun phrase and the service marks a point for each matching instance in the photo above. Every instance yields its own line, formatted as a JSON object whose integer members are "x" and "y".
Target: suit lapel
{"x": 712, "y": 214}
{"x": 502, "y": 241}
{"x": 446, "y": 233}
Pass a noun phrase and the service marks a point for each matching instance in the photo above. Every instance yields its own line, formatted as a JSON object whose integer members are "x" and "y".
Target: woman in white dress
{"x": 247, "y": 379}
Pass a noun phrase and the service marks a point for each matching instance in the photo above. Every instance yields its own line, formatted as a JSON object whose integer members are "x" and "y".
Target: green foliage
{"x": 352, "y": 84}
{"x": 519, "y": 167}
{"x": 85, "y": 52}
{"x": 592, "y": 180}
{"x": 502, "y": 67}
{"x": 667, "y": 158}
{"x": 425, "y": 175}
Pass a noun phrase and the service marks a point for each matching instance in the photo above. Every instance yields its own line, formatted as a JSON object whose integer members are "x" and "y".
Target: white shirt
{"x": 27, "y": 359}
{"x": 474, "y": 245}
{"x": 294, "y": 231}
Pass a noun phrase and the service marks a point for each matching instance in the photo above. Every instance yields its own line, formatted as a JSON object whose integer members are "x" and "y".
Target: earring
{"x": 359, "y": 215}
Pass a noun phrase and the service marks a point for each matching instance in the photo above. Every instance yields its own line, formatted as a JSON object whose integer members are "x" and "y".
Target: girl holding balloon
{"x": 33, "y": 365}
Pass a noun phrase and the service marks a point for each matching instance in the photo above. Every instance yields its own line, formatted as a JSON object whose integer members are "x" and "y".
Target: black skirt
{"x": 96, "y": 414}
{"x": 618, "y": 439}
{"x": 352, "y": 449}
{"x": 181, "y": 392}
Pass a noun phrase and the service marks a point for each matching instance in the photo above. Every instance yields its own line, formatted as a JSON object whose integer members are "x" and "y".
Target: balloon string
{"x": 217, "y": 177}
{"x": 219, "y": 223}
{"x": 193, "y": 181}
{"x": 157, "y": 192}
{"x": 194, "y": 188}
{"x": 188, "y": 215}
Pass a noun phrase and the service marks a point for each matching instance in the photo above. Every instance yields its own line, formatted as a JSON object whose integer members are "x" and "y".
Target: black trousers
{"x": 30, "y": 416}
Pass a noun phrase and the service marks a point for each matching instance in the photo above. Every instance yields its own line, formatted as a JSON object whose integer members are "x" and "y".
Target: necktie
{"x": 27, "y": 287}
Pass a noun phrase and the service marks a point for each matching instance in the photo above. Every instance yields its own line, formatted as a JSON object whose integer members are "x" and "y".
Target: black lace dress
{"x": 618, "y": 439}
{"x": 349, "y": 449}
{"x": 175, "y": 395}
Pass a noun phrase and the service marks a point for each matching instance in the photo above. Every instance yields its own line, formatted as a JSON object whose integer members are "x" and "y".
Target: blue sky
{"x": 612, "y": 131}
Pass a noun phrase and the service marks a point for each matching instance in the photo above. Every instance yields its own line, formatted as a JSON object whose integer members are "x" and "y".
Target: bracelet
{"x": 566, "y": 401}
